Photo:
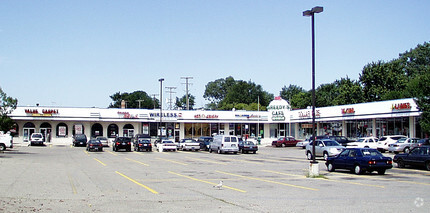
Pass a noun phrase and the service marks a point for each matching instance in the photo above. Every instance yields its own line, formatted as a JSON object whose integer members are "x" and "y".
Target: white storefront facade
{"x": 59, "y": 124}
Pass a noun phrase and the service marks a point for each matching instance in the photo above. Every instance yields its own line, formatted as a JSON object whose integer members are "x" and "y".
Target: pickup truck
{"x": 6, "y": 141}
{"x": 189, "y": 144}
{"x": 285, "y": 141}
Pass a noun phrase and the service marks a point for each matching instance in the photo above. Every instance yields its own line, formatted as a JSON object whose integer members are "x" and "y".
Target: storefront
{"x": 377, "y": 119}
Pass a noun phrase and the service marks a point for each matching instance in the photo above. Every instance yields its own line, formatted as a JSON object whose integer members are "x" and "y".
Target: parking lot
{"x": 64, "y": 178}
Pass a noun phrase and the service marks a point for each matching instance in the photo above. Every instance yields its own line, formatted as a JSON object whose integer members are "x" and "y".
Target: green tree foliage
{"x": 226, "y": 94}
{"x": 301, "y": 100}
{"x": 132, "y": 100}
{"x": 182, "y": 102}
{"x": 419, "y": 88}
{"x": 287, "y": 93}
{"x": 7, "y": 105}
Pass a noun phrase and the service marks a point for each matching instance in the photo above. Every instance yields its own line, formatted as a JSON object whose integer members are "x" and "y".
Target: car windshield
{"x": 401, "y": 140}
{"x": 93, "y": 141}
{"x": 36, "y": 136}
{"x": 371, "y": 152}
{"x": 249, "y": 143}
{"x": 331, "y": 143}
{"x": 360, "y": 140}
{"x": 144, "y": 141}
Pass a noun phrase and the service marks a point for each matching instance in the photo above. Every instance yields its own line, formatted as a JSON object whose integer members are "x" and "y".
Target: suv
{"x": 385, "y": 141}
{"x": 36, "y": 138}
{"x": 121, "y": 143}
{"x": 205, "y": 142}
{"x": 80, "y": 140}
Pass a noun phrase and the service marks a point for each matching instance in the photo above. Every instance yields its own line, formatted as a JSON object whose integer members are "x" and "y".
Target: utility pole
{"x": 186, "y": 83}
{"x": 140, "y": 101}
{"x": 153, "y": 98}
{"x": 170, "y": 92}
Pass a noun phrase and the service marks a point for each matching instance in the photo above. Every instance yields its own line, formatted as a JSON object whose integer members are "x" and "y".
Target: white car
{"x": 36, "y": 138}
{"x": 189, "y": 144}
{"x": 367, "y": 142}
{"x": 403, "y": 145}
{"x": 166, "y": 145}
{"x": 303, "y": 143}
{"x": 6, "y": 141}
{"x": 385, "y": 141}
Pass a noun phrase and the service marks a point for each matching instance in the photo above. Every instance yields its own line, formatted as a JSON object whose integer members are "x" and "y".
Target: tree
{"x": 226, "y": 94}
{"x": 7, "y": 105}
{"x": 182, "y": 102}
{"x": 287, "y": 93}
{"x": 348, "y": 92}
{"x": 419, "y": 88}
{"x": 301, "y": 100}
{"x": 132, "y": 100}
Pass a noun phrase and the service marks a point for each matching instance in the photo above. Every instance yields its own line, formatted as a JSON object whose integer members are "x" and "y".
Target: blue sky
{"x": 78, "y": 53}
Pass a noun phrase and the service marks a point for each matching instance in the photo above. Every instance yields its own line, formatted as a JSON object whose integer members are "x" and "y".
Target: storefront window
{"x": 62, "y": 130}
{"x": 112, "y": 130}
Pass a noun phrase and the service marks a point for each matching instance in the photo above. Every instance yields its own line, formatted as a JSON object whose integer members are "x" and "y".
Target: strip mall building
{"x": 59, "y": 124}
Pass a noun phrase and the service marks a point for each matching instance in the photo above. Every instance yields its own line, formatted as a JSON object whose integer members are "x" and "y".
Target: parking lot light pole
{"x": 161, "y": 106}
{"x": 313, "y": 168}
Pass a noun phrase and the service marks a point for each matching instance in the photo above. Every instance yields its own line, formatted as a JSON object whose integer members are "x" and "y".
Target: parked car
{"x": 103, "y": 140}
{"x": 205, "y": 142}
{"x": 224, "y": 144}
{"x": 247, "y": 147}
{"x": 159, "y": 140}
{"x": 121, "y": 143}
{"x": 367, "y": 142}
{"x": 143, "y": 144}
{"x": 95, "y": 145}
{"x": 324, "y": 148}
{"x": 342, "y": 140}
{"x": 402, "y": 145}
{"x": 285, "y": 141}
{"x": 418, "y": 156}
{"x": 303, "y": 143}
{"x": 385, "y": 141}
{"x": 166, "y": 145}
{"x": 421, "y": 142}
{"x": 80, "y": 140}
{"x": 36, "y": 139}
{"x": 189, "y": 144}
{"x": 360, "y": 160}
{"x": 6, "y": 141}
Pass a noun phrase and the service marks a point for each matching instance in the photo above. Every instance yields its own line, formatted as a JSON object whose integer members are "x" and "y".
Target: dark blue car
{"x": 360, "y": 160}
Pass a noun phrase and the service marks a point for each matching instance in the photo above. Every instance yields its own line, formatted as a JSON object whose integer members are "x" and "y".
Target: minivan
{"x": 224, "y": 143}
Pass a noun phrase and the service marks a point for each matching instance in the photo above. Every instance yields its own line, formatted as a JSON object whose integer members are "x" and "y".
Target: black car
{"x": 204, "y": 142}
{"x": 80, "y": 140}
{"x": 247, "y": 147}
{"x": 341, "y": 139}
{"x": 418, "y": 156}
{"x": 143, "y": 144}
{"x": 122, "y": 143}
{"x": 94, "y": 145}
{"x": 359, "y": 160}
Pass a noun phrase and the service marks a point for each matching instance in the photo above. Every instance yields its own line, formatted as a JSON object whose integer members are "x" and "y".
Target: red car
{"x": 285, "y": 141}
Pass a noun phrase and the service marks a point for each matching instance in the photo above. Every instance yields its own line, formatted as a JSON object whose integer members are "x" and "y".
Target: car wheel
{"x": 357, "y": 170}
{"x": 428, "y": 165}
{"x": 330, "y": 167}
{"x": 400, "y": 163}
{"x": 210, "y": 150}
{"x": 381, "y": 172}
{"x": 255, "y": 152}
{"x": 407, "y": 150}
{"x": 219, "y": 151}
{"x": 309, "y": 155}
{"x": 2, "y": 147}
{"x": 325, "y": 156}
{"x": 243, "y": 151}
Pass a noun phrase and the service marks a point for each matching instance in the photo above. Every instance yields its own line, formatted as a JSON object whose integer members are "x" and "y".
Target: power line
{"x": 187, "y": 97}
{"x": 170, "y": 92}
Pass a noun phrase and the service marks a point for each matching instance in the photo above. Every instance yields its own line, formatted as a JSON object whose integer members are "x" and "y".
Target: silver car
{"x": 324, "y": 148}
{"x": 403, "y": 145}
{"x": 103, "y": 140}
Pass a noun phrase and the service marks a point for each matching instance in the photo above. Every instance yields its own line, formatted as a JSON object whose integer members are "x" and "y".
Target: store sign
{"x": 45, "y": 112}
{"x": 166, "y": 115}
{"x": 308, "y": 114}
{"x": 248, "y": 116}
{"x": 278, "y": 116}
{"x": 348, "y": 111}
{"x": 203, "y": 116}
{"x": 401, "y": 106}
{"x": 128, "y": 115}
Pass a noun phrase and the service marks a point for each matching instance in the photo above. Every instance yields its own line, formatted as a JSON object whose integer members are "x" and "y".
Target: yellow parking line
{"x": 72, "y": 185}
{"x": 136, "y": 161}
{"x": 204, "y": 181}
{"x": 172, "y": 161}
{"x": 99, "y": 161}
{"x": 112, "y": 153}
{"x": 268, "y": 181}
{"x": 85, "y": 151}
{"x": 323, "y": 179}
{"x": 134, "y": 181}
{"x": 210, "y": 161}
